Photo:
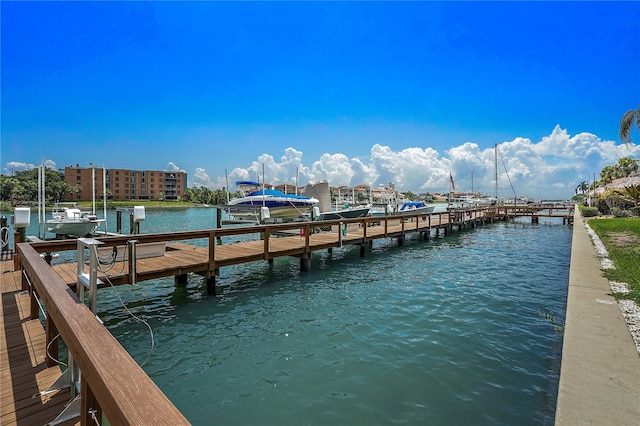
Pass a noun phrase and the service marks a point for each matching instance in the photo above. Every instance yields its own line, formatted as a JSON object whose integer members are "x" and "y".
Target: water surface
{"x": 463, "y": 330}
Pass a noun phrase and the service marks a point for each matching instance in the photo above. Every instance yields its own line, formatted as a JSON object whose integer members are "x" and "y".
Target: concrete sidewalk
{"x": 600, "y": 372}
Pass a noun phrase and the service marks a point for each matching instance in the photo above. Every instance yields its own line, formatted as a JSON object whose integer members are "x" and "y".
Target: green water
{"x": 462, "y": 330}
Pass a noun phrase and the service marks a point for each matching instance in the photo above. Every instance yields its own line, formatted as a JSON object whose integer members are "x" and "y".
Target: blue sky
{"x": 351, "y": 92}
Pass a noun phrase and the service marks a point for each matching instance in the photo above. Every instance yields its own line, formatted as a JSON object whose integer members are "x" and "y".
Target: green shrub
{"x": 618, "y": 212}
{"x": 589, "y": 211}
{"x": 635, "y": 211}
{"x": 602, "y": 206}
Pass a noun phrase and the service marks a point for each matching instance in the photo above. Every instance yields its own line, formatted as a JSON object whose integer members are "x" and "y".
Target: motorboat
{"x": 474, "y": 199}
{"x": 252, "y": 198}
{"x": 68, "y": 220}
{"x": 345, "y": 213}
{"x": 415, "y": 207}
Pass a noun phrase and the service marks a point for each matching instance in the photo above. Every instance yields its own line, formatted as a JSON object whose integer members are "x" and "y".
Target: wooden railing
{"x": 111, "y": 381}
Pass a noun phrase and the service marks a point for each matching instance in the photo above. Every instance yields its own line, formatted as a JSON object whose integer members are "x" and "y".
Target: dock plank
{"x": 23, "y": 370}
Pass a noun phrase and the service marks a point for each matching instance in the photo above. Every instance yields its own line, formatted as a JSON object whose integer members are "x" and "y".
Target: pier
{"x": 111, "y": 383}
{"x": 205, "y": 254}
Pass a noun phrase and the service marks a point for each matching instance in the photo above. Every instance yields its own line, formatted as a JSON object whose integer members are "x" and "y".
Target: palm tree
{"x": 582, "y": 187}
{"x": 607, "y": 174}
{"x": 631, "y": 193}
{"x": 626, "y": 124}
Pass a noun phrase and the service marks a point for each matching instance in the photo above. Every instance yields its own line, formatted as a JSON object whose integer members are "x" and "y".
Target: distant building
{"x": 125, "y": 184}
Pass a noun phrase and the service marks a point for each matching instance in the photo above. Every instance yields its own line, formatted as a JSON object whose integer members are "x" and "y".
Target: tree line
{"x": 22, "y": 187}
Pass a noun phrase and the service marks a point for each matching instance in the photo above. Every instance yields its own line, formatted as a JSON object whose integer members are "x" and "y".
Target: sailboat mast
{"x": 263, "y": 194}
{"x": 495, "y": 154}
{"x": 41, "y": 201}
{"x": 226, "y": 178}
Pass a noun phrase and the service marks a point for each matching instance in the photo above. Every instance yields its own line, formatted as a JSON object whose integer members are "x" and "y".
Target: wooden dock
{"x": 268, "y": 242}
{"x": 23, "y": 364}
{"x": 299, "y": 239}
{"x": 27, "y": 370}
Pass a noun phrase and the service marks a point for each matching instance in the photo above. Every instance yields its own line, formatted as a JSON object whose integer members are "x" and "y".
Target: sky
{"x": 371, "y": 93}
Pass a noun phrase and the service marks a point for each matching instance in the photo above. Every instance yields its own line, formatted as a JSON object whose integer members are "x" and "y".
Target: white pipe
{"x": 226, "y": 177}
{"x": 104, "y": 196}
{"x": 93, "y": 189}
{"x": 40, "y": 216}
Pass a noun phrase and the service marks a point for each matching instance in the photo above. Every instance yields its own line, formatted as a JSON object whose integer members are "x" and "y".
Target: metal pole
{"x": 132, "y": 261}
{"x": 104, "y": 197}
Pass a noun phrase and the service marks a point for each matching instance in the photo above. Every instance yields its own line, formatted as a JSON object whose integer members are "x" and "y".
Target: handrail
{"x": 111, "y": 377}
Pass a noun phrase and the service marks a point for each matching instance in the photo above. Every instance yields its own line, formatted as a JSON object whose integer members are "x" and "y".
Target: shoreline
{"x": 600, "y": 367}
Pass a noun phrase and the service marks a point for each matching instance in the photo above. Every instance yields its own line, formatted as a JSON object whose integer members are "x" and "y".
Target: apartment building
{"x": 122, "y": 184}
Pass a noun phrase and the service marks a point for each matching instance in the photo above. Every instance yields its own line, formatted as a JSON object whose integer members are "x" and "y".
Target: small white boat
{"x": 473, "y": 200}
{"x": 68, "y": 220}
{"x": 252, "y": 198}
{"x": 415, "y": 207}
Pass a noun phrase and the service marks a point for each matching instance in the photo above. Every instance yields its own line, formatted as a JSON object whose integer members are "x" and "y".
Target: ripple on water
{"x": 450, "y": 331}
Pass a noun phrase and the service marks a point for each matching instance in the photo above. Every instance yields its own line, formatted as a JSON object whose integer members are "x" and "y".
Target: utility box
{"x": 21, "y": 217}
{"x": 264, "y": 213}
{"x": 138, "y": 213}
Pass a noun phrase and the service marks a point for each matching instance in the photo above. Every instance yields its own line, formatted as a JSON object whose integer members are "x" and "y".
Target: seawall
{"x": 600, "y": 370}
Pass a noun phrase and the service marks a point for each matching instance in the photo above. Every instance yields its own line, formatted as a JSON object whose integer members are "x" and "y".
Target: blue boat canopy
{"x": 278, "y": 193}
{"x": 409, "y": 204}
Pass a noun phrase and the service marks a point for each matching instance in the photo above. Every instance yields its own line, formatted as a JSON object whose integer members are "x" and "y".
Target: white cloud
{"x": 201, "y": 178}
{"x": 171, "y": 167}
{"x": 550, "y": 168}
{"x": 17, "y": 166}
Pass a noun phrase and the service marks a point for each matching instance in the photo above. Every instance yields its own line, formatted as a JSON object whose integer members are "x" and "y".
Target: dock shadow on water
{"x": 454, "y": 330}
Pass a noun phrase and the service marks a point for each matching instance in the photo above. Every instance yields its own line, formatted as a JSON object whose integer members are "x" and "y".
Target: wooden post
{"x": 211, "y": 283}
{"x": 362, "y": 249}
{"x": 182, "y": 279}
{"x": 51, "y": 332}
{"x": 17, "y": 238}
{"x": 119, "y": 221}
{"x": 25, "y": 283}
{"x": 90, "y": 411}
{"x": 265, "y": 236}
{"x": 34, "y": 312}
{"x": 305, "y": 262}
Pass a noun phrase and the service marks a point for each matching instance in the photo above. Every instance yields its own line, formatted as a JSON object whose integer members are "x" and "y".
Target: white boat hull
{"x": 419, "y": 210}
{"x": 253, "y": 212}
{"x": 73, "y": 228}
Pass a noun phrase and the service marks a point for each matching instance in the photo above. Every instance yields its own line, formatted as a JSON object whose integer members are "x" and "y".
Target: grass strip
{"x": 621, "y": 237}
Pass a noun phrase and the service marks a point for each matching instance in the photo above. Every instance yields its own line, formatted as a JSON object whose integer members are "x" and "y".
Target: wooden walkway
{"x": 181, "y": 259}
{"x": 23, "y": 367}
{"x": 272, "y": 241}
